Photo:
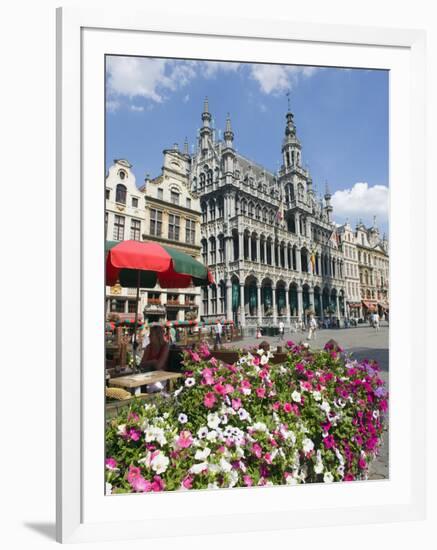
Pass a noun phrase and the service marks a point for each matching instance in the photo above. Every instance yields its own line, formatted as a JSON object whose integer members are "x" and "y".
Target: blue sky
{"x": 341, "y": 117}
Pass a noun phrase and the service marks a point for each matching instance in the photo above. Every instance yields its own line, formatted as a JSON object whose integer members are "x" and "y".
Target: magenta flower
{"x": 184, "y": 440}
{"x": 209, "y": 400}
{"x": 329, "y": 441}
{"x": 261, "y": 392}
{"x": 287, "y": 407}
{"x": 236, "y": 404}
{"x": 111, "y": 463}
{"x": 195, "y": 356}
{"x": 134, "y": 472}
{"x": 140, "y": 485}
{"x": 248, "y": 481}
{"x": 229, "y": 388}
{"x": 187, "y": 482}
{"x": 220, "y": 389}
{"x": 257, "y": 450}
{"x": 158, "y": 484}
{"x": 276, "y": 406}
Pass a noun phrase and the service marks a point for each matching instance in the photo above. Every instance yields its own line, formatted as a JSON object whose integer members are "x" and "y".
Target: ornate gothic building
{"x": 269, "y": 241}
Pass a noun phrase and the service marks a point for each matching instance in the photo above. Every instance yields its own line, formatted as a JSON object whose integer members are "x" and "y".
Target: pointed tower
{"x": 228, "y": 153}
{"x": 328, "y": 207}
{"x": 291, "y": 147}
{"x": 205, "y": 130}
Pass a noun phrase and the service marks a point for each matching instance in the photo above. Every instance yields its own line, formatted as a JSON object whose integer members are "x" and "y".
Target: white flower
{"x": 264, "y": 359}
{"x": 328, "y": 477}
{"x": 260, "y": 351}
{"x": 325, "y": 406}
{"x": 259, "y": 427}
{"x": 213, "y": 420}
{"x": 318, "y": 468}
{"x": 233, "y": 478}
{"x": 165, "y": 415}
{"x": 153, "y": 433}
{"x": 246, "y": 391}
{"x": 108, "y": 489}
{"x": 121, "y": 429}
{"x": 224, "y": 419}
{"x": 243, "y": 414}
{"x": 339, "y": 456}
{"x": 212, "y": 436}
{"x": 288, "y": 435}
{"x": 213, "y": 485}
{"x": 178, "y": 391}
{"x": 183, "y": 418}
{"x": 375, "y": 414}
{"x": 307, "y": 445}
{"x": 202, "y": 454}
{"x": 157, "y": 461}
{"x": 225, "y": 465}
{"x": 189, "y": 382}
{"x": 317, "y": 395}
{"x": 339, "y": 403}
{"x": 197, "y": 468}
{"x": 340, "y": 470}
{"x": 228, "y": 432}
{"x": 202, "y": 432}
{"x": 296, "y": 396}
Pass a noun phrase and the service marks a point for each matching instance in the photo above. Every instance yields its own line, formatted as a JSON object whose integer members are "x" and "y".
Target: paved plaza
{"x": 363, "y": 342}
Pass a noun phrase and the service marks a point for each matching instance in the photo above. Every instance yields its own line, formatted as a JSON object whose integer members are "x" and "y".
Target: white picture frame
{"x": 83, "y": 512}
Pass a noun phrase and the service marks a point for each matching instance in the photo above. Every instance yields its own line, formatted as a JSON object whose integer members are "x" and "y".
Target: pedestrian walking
{"x": 218, "y": 329}
{"x": 312, "y": 327}
{"x": 281, "y": 330}
{"x": 376, "y": 322}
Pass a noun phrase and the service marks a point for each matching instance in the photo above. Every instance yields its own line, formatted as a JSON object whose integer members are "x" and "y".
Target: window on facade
{"x": 212, "y": 210}
{"x": 213, "y": 250}
{"x": 160, "y": 193}
{"x": 173, "y": 227}
{"x": 134, "y": 202}
{"x": 120, "y": 194}
{"x": 117, "y": 306}
{"x": 107, "y": 194}
{"x": 188, "y": 202}
{"x": 174, "y": 197}
{"x": 204, "y": 212}
{"x": 209, "y": 177}
{"x": 202, "y": 180}
{"x": 220, "y": 208}
{"x": 243, "y": 207}
{"x": 205, "y": 252}
{"x": 118, "y": 228}
{"x": 250, "y": 210}
{"x": 205, "y": 299}
{"x": 221, "y": 249}
{"x": 135, "y": 227}
{"x": 122, "y": 174}
{"x": 131, "y": 306}
{"x": 155, "y": 222}
{"x": 154, "y": 298}
{"x": 214, "y": 299}
{"x": 190, "y": 231}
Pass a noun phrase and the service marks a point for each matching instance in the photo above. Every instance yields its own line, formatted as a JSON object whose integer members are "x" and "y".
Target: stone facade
{"x": 163, "y": 210}
{"x": 351, "y": 271}
{"x": 271, "y": 244}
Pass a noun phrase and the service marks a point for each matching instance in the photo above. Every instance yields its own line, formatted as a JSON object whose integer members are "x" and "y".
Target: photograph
{"x": 247, "y": 274}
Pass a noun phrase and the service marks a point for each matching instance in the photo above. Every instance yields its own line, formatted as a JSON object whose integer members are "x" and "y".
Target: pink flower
{"x": 209, "y": 400}
{"x": 111, "y": 463}
{"x": 184, "y": 440}
{"x": 132, "y": 417}
{"x": 213, "y": 361}
{"x": 268, "y": 458}
{"x": 329, "y": 441}
{"x": 362, "y": 463}
{"x": 195, "y": 356}
{"x": 276, "y": 406}
{"x": 256, "y": 360}
{"x": 220, "y": 389}
{"x": 256, "y": 449}
{"x": 229, "y": 388}
{"x": 134, "y": 472}
{"x": 187, "y": 482}
{"x": 287, "y": 407}
{"x": 260, "y": 392}
{"x": 236, "y": 404}
{"x": 134, "y": 434}
{"x": 248, "y": 481}
{"x": 158, "y": 484}
{"x": 348, "y": 477}
{"x": 141, "y": 485}
{"x": 208, "y": 377}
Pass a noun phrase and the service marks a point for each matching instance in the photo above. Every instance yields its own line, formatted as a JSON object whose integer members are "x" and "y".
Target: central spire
{"x": 229, "y": 134}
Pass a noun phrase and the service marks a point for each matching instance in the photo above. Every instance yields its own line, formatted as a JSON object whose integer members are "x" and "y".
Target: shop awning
{"x": 369, "y": 305}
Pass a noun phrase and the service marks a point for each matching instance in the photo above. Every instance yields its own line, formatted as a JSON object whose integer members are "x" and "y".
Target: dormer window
{"x": 122, "y": 174}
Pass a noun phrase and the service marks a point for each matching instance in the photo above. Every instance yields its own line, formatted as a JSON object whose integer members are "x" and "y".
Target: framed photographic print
{"x": 235, "y": 275}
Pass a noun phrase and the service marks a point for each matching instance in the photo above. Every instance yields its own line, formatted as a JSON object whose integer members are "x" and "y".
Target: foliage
{"x": 316, "y": 418}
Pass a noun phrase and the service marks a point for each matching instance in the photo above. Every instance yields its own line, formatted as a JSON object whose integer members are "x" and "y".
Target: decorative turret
{"x": 205, "y": 130}
{"x": 228, "y": 133}
{"x": 328, "y": 207}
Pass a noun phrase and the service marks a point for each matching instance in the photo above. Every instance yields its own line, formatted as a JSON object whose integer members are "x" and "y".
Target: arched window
{"x": 272, "y": 217}
{"x": 264, "y": 214}
{"x": 300, "y": 192}
{"x": 202, "y": 180}
{"x": 120, "y": 193}
{"x": 209, "y": 177}
{"x": 220, "y": 207}
{"x": 250, "y": 210}
{"x": 243, "y": 206}
{"x": 212, "y": 210}
{"x": 258, "y": 212}
{"x": 204, "y": 212}
{"x": 205, "y": 251}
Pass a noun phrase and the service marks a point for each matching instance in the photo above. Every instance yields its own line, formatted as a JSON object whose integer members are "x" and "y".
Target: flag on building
{"x": 313, "y": 261}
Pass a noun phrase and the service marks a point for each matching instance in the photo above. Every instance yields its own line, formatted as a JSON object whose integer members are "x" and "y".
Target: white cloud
{"x": 361, "y": 201}
{"x": 186, "y": 98}
{"x": 148, "y": 78}
{"x": 137, "y": 108}
{"x": 112, "y": 105}
{"x": 274, "y": 79}
{"x": 210, "y": 69}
